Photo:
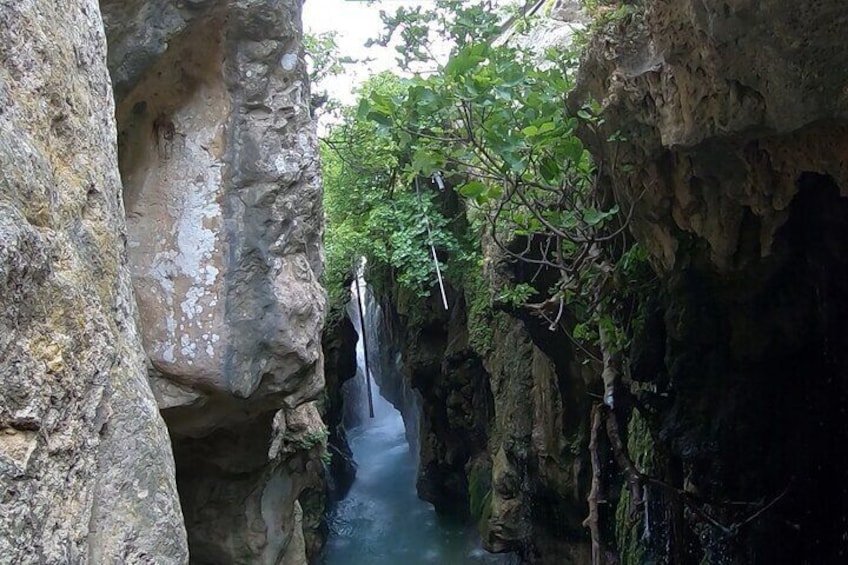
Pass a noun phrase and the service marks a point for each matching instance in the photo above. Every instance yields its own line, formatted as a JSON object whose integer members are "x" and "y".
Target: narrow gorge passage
{"x": 382, "y": 521}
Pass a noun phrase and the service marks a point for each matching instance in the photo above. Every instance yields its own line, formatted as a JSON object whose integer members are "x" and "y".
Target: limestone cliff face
{"x": 723, "y": 106}
{"x": 734, "y": 120}
{"x": 218, "y": 156}
{"x": 732, "y": 116}
{"x": 540, "y": 471}
{"x": 86, "y": 468}
{"x": 221, "y": 180}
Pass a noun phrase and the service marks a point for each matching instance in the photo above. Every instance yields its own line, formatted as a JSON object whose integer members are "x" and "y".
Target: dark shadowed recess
{"x": 757, "y": 363}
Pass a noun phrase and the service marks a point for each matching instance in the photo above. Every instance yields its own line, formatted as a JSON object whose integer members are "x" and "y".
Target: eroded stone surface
{"x": 723, "y": 105}
{"x": 219, "y": 159}
{"x": 218, "y": 154}
{"x": 733, "y": 116}
{"x": 85, "y": 462}
{"x": 240, "y": 487}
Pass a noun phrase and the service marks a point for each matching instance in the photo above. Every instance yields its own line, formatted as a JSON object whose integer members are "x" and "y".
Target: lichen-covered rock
{"x": 86, "y": 468}
{"x": 218, "y": 154}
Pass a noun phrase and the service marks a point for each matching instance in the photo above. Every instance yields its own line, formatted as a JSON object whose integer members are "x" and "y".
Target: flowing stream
{"x": 382, "y": 521}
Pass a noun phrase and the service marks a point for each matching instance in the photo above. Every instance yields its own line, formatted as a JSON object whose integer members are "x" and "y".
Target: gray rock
{"x": 219, "y": 160}
{"x": 218, "y": 154}
{"x": 722, "y": 105}
{"x": 86, "y": 468}
{"x": 240, "y": 496}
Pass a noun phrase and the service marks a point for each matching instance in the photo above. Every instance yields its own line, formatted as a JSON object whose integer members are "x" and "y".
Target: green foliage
{"x": 324, "y": 62}
{"x": 454, "y": 22}
{"x": 316, "y": 438}
{"x": 372, "y": 211}
{"x": 313, "y": 438}
{"x": 323, "y": 56}
{"x": 604, "y": 14}
{"x": 494, "y": 121}
{"x": 478, "y": 297}
{"x": 517, "y": 295}
{"x": 496, "y": 118}
{"x": 628, "y": 531}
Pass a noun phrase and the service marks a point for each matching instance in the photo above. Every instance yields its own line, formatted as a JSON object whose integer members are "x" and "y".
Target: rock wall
{"x": 500, "y": 406}
{"x": 339, "y": 346}
{"x": 733, "y": 115}
{"x": 540, "y": 471}
{"x": 723, "y": 106}
{"x": 86, "y": 469}
{"x": 218, "y": 154}
{"x": 456, "y": 407}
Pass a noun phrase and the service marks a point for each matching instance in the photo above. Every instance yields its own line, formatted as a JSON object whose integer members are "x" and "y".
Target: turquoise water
{"x": 382, "y": 521}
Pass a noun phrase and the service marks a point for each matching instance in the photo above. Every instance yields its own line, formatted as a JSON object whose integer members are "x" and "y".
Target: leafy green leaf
{"x": 473, "y": 189}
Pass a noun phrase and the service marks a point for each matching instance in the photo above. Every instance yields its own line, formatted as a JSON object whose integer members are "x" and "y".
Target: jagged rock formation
{"x": 86, "y": 471}
{"x": 240, "y": 487}
{"x": 734, "y": 120}
{"x": 455, "y": 407}
{"x": 723, "y": 105}
{"x": 540, "y": 473}
{"x": 218, "y": 157}
{"x": 223, "y": 240}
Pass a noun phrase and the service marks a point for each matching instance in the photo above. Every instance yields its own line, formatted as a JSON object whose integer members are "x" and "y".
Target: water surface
{"x": 382, "y": 521}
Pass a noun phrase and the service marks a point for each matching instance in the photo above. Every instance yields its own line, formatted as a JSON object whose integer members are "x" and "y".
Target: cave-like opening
{"x": 811, "y": 379}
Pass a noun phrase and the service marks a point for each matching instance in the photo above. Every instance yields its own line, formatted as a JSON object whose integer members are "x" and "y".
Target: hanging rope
{"x": 364, "y": 345}
{"x": 430, "y": 241}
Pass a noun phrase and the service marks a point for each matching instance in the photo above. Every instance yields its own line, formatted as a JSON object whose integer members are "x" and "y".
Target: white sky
{"x": 355, "y": 21}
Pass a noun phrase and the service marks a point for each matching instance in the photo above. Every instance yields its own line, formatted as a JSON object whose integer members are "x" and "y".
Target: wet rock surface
{"x": 733, "y": 119}
{"x": 339, "y": 345}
